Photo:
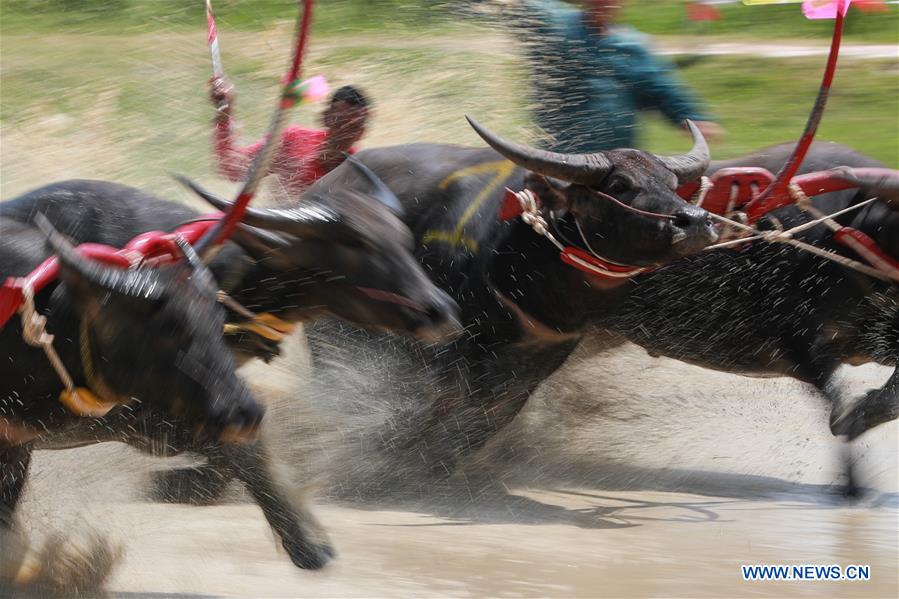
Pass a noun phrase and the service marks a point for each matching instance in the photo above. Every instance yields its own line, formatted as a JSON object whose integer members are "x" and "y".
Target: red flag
{"x": 700, "y": 11}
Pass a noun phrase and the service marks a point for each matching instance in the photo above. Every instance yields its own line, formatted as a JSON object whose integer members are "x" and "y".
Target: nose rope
{"x": 591, "y": 263}
{"x": 577, "y": 223}
{"x": 621, "y": 204}
{"x": 391, "y": 298}
{"x": 890, "y": 275}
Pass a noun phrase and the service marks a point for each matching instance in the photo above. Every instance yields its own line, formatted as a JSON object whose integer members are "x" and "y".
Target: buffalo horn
{"x": 586, "y": 169}
{"x": 309, "y": 219}
{"x": 136, "y": 283}
{"x": 692, "y": 165}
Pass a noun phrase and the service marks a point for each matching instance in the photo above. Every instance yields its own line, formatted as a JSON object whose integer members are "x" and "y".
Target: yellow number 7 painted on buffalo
{"x": 501, "y": 169}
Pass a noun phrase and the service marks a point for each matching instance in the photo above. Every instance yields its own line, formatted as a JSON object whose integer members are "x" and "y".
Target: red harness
{"x": 156, "y": 247}
{"x": 739, "y": 190}
{"x": 581, "y": 259}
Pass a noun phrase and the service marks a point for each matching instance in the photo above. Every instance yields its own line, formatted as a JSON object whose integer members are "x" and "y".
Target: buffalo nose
{"x": 691, "y": 217}
{"x": 692, "y": 229}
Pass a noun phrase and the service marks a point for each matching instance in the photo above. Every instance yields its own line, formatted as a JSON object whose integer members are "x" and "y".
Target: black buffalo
{"x": 345, "y": 255}
{"x": 763, "y": 309}
{"x": 146, "y": 335}
{"x": 523, "y": 310}
{"x": 775, "y": 310}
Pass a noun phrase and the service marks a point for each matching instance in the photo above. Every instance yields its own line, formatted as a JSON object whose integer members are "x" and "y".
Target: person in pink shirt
{"x": 305, "y": 154}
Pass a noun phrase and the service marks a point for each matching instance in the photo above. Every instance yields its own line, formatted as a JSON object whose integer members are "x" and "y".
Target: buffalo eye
{"x": 618, "y": 186}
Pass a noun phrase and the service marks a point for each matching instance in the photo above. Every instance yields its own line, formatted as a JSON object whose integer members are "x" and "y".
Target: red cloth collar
{"x": 575, "y": 257}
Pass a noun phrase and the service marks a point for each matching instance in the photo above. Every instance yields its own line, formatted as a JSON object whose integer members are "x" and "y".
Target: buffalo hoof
{"x": 13, "y": 548}
{"x": 202, "y": 485}
{"x": 874, "y": 409}
{"x": 302, "y": 536}
{"x": 65, "y": 567}
{"x": 309, "y": 556}
{"x": 851, "y": 491}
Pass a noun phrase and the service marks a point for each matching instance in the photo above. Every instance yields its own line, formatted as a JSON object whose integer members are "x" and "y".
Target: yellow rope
{"x": 265, "y": 325}
{"x": 78, "y": 400}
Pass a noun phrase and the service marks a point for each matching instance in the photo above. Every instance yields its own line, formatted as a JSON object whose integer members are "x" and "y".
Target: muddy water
{"x": 627, "y": 476}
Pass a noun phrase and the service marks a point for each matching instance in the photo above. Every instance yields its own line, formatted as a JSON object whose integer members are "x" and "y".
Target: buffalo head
{"x": 345, "y": 252}
{"x": 155, "y": 334}
{"x": 649, "y": 224}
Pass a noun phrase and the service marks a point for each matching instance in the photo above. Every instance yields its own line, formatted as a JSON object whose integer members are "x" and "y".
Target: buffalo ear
{"x": 552, "y": 192}
{"x": 380, "y": 191}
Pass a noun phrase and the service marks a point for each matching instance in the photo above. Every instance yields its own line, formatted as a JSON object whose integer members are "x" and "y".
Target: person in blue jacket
{"x": 591, "y": 78}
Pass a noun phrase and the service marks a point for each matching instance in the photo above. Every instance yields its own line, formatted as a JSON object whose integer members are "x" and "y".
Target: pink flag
{"x": 309, "y": 90}
{"x": 316, "y": 88}
{"x": 824, "y": 9}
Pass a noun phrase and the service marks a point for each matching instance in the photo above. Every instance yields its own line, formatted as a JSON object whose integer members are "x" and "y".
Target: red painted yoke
{"x": 156, "y": 247}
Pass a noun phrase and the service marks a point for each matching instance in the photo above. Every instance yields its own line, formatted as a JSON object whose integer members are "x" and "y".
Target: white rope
{"x": 705, "y": 185}
{"x": 822, "y": 218}
{"x": 805, "y": 204}
{"x": 784, "y": 237}
{"x": 34, "y": 333}
{"x": 530, "y": 214}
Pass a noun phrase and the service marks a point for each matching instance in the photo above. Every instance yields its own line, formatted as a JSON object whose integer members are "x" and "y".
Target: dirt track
{"x": 595, "y": 491}
{"x": 626, "y": 476}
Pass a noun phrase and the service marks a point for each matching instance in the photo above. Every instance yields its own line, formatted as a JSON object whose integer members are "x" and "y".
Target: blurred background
{"x": 116, "y": 89}
{"x": 662, "y": 488}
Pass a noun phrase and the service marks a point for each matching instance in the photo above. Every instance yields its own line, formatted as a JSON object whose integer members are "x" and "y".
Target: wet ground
{"x": 592, "y": 544}
{"x": 603, "y": 488}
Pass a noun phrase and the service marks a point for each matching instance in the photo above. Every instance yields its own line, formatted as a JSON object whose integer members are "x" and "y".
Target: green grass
{"x": 131, "y": 106}
{"x": 658, "y": 17}
{"x": 765, "y": 101}
{"x": 108, "y": 16}
{"x": 786, "y": 22}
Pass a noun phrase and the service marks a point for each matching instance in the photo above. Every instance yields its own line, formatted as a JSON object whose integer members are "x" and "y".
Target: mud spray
{"x": 601, "y": 486}
{"x": 625, "y": 475}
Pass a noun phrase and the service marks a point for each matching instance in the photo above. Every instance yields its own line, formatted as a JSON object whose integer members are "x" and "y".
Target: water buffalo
{"x": 343, "y": 254}
{"x": 151, "y": 335}
{"x": 522, "y": 308}
{"x": 775, "y": 310}
{"x": 524, "y": 311}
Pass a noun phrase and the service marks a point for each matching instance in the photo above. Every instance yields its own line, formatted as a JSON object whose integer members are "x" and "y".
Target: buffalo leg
{"x": 486, "y": 398}
{"x": 459, "y": 432}
{"x": 14, "y": 462}
{"x": 877, "y": 407}
{"x": 823, "y": 378}
{"x": 301, "y": 534}
{"x": 197, "y": 485}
